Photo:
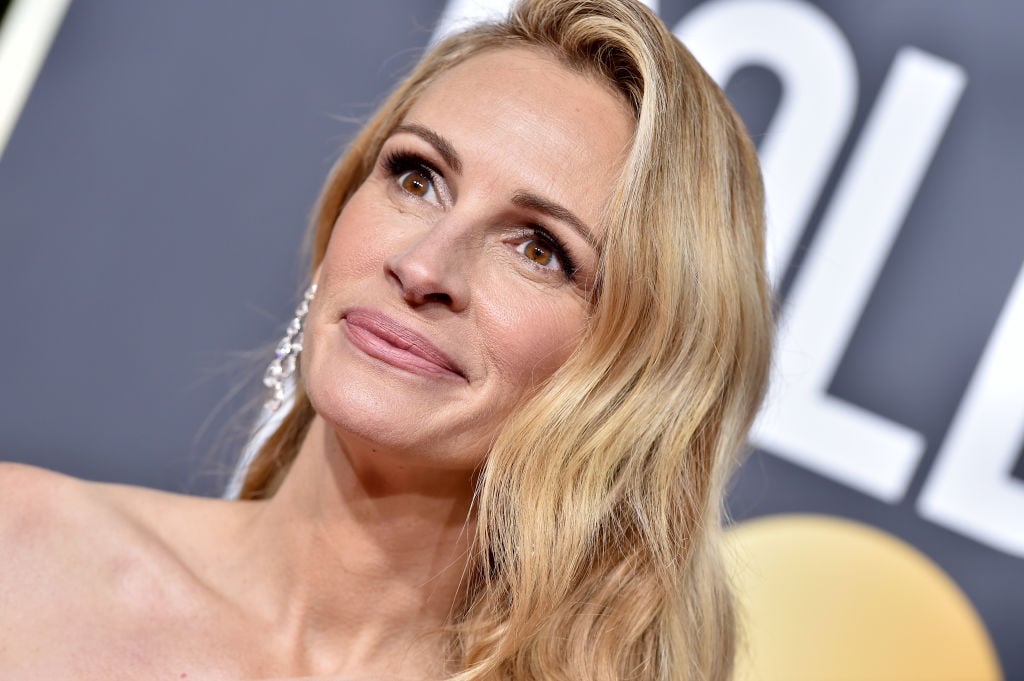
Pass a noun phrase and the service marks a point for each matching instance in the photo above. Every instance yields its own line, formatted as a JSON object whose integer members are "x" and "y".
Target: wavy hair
{"x": 597, "y": 546}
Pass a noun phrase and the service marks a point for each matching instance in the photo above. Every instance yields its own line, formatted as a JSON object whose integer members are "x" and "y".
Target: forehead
{"x": 519, "y": 117}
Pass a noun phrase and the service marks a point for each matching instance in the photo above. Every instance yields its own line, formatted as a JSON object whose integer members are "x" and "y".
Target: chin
{"x": 387, "y": 411}
{"x": 391, "y": 423}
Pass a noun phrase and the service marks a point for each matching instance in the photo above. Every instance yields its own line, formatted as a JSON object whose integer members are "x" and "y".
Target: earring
{"x": 286, "y": 356}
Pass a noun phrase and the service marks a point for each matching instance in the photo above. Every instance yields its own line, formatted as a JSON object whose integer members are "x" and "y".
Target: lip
{"x": 385, "y": 338}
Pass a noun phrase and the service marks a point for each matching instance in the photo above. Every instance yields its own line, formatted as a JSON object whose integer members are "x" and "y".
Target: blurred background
{"x": 158, "y": 163}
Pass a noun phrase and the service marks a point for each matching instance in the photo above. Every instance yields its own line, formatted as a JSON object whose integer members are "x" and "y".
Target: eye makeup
{"x": 398, "y": 162}
{"x": 537, "y": 233}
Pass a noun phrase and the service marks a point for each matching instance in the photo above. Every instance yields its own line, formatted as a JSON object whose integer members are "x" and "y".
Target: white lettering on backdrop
{"x": 970, "y": 489}
{"x": 807, "y": 51}
{"x": 801, "y": 420}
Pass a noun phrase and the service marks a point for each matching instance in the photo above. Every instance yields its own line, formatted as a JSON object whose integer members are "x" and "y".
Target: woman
{"x": 539, "y": 331}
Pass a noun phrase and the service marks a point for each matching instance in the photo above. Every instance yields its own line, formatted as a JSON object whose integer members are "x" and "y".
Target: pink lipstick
{"x": 385, "y": 338}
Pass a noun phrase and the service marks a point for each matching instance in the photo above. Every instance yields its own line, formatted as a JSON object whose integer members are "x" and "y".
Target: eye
{"x": 418, "y": 183}
{"x": 414, "y": 176}
{"x": 538, "y": 251}
{"x": 547, "y": 252}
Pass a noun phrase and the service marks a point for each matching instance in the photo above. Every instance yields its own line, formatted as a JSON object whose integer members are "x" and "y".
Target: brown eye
{"x": 546, "y": 252}
{"x": 415, "y": 182}
{"x": 539, "y": 252}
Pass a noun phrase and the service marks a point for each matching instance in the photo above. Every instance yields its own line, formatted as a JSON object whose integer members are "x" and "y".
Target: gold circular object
{"x": 827, "y": 599}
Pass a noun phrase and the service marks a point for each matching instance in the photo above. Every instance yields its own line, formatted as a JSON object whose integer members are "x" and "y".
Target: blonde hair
{"x": 597, "y": 552}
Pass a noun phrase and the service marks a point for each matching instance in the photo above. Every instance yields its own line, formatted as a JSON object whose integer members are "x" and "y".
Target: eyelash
{"x": 569, "y": 268}
{"x": 397, "y": 163}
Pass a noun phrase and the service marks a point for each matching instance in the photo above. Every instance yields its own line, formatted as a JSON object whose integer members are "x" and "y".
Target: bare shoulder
{"x": 45, "y": 521}
{"x": 36, "y": 502}
{"x": 86, "y": 562}
{"x": 52, "y": 523}
{"x": 17, "y": 479}
{"x": 51, "y": 517}
{"x": 31, "y": 498}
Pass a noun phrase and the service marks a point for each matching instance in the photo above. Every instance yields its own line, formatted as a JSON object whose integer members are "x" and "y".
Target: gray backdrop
{"x": 155, "y": 189}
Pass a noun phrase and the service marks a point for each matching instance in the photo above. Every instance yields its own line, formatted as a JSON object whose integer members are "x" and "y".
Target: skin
{"x": 348, "y": 571}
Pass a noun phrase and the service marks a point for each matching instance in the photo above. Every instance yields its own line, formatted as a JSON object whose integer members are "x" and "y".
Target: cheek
{"x": 532, "y": 335}
{"x": 355, "y": 249}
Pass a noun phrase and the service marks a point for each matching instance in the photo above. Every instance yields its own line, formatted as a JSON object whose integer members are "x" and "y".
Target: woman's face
{"x": 457, "y": 276}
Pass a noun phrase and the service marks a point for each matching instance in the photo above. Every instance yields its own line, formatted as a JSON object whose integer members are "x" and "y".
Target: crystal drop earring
{"x": 286, "y": 356}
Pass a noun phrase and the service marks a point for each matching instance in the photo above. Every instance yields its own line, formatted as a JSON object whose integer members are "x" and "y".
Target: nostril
{"x": 442, "y": 298}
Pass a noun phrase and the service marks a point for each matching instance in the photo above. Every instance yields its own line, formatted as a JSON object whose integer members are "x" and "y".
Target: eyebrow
{"x": 441, "y": 144}
{"x": 553, "y": 210}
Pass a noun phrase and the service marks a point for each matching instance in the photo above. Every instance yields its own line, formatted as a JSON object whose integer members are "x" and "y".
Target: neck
{"x": 361, "y": 555}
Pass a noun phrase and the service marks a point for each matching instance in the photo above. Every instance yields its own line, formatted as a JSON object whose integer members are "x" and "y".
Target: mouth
{"x": 388, "y": 340}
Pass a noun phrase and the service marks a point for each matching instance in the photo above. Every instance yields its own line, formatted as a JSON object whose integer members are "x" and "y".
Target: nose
{"x": 432, "y": 269}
